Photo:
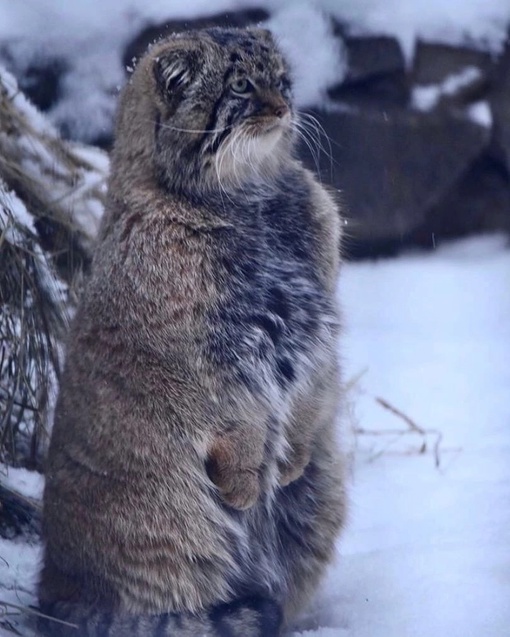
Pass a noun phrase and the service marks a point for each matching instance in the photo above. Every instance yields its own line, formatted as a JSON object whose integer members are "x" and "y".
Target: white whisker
{"x": 312, "y": 144}
{"x": 313, "y": 122}
{"x": 221, "y": 154}
{"x": 237, "y": 154}
{"x": 309, "y": 125}
{"x": 209, "y": 131}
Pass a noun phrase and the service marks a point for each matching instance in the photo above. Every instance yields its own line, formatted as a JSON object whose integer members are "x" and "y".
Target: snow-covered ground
{"x": 427, "y": 550}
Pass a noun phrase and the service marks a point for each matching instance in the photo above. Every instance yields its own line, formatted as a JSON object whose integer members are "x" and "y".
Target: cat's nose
{"x": 273, "y": 105}
{"x": 281, "y": 109}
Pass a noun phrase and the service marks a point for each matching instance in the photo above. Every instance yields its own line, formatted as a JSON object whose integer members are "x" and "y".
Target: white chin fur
{"x": 248, "y": 156}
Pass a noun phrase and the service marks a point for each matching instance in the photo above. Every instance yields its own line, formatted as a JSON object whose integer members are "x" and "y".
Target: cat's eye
{"x": 241, "y": 86}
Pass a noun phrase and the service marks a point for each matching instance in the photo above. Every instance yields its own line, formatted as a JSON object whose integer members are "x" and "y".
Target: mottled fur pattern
{"x": 194, "y": 484}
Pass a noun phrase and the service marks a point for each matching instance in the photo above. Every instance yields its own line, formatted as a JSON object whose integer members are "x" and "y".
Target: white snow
{"x": 299, "y": 28}
{"x": 427, "y": 96}
{"x": 481, "y": 113}
{"x": 74, "y": 174}
{"x": 454, "y": 83}
{"x": 19, "y": 564}
{"x": 479, "y": 23}
{"x": 427, "y": 549}
{"x": 91, "y": 37}
{"x": 28, "y": 483}
{"x": 476, "y": 22}
{"x": 13, "y": 217}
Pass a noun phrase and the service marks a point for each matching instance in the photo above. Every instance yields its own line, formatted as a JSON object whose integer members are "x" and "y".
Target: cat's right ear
{"x": 173, "y": 72}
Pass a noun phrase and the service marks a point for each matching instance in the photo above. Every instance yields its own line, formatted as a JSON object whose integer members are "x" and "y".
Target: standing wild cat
{"x": 194, "y": 485}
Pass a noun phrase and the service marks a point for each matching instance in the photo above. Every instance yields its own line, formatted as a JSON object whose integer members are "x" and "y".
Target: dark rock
{"x": 376, "y": 72}
{"x": 372, "y": 56}
{"x": 500, "y": 103}
{"x": 39, "y": 77}
{"x": 378, "y": 93}
{"x": 478, "y": 202}
{"x": 154, "y": 32}
{"x": 42, "y": 83}
{"x": 435, "y": 64}
{"x": 394, "y": 167}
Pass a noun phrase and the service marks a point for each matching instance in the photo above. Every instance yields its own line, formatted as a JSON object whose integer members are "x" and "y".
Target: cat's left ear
{"x": 173, "y": 71}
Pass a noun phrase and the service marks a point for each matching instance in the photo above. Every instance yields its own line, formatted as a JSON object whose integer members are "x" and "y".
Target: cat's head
{"x": 217, "y": 105}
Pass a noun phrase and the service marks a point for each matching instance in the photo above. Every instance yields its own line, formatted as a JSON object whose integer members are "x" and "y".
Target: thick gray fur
{"x": 194, "y": 484}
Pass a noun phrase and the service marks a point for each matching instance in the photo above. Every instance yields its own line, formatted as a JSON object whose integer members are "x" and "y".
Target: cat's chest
{"x": 273, "y": 307}
{"x": 276, "y": 247}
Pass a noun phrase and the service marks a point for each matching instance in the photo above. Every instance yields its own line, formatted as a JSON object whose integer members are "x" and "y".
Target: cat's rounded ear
{"x": 173, "y": 71}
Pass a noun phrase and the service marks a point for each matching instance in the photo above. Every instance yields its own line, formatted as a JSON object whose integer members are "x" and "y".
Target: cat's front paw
{"x": 242, "y": 490}
{"x": 238, "y": 486}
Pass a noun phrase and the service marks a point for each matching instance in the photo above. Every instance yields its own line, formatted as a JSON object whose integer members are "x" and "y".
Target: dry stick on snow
{"x": 400, "y": 414}
{"x": 411, "y": 424}
{"x": 413, "y": 427}
{"x": 354, "y": 381}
